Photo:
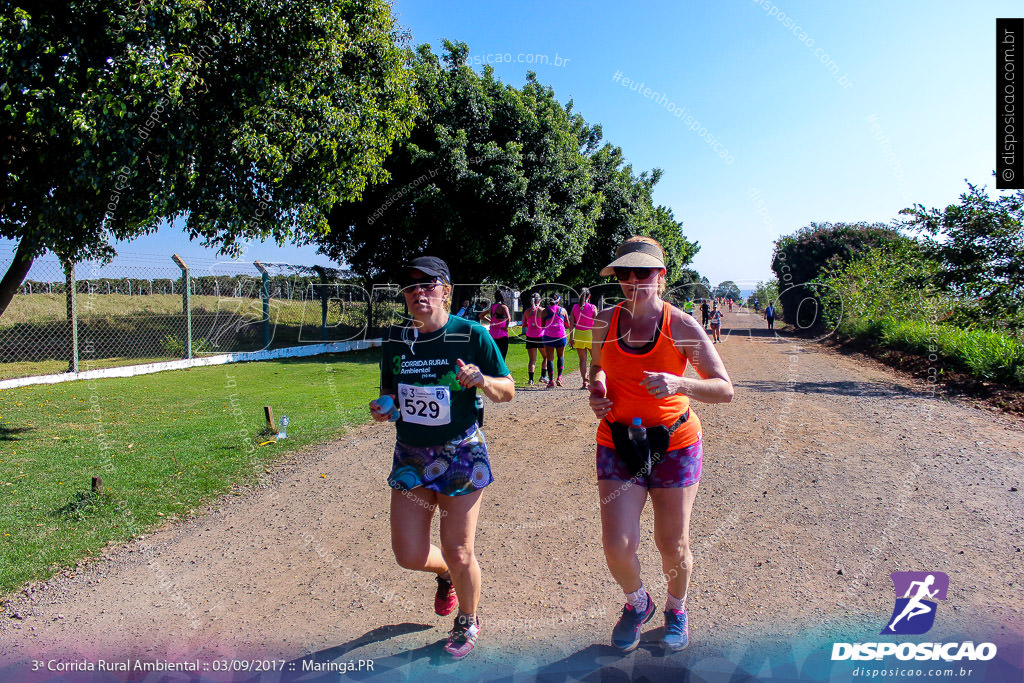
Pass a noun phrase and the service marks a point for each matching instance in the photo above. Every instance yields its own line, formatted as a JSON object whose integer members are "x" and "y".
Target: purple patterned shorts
{"x": 454, "y": 468}
{"x": 678, "y": 469}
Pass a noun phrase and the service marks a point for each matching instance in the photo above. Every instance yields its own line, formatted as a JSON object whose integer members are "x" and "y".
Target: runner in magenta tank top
{"x": 498, "y": 318}
{"x": 534, "y": 332}
{"x": 555, "y": 320}
{"x": 582, "y": 331}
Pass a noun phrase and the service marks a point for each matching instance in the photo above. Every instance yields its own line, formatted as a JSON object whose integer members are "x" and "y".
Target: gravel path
{"x": 825, "y": 474}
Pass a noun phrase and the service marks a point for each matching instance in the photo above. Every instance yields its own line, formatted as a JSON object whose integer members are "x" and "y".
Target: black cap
{"x": 430, "y": 265}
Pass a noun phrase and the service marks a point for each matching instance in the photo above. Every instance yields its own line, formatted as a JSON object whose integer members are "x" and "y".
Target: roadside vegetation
{"x": 943, "y": 284}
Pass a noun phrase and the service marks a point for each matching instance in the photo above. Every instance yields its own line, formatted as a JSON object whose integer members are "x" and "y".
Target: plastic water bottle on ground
{"x": 283, "y": 432}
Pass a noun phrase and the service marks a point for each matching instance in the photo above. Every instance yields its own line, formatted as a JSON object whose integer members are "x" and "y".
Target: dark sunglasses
{"x": 641, "y": 273}
{"x": 427, "y": 284}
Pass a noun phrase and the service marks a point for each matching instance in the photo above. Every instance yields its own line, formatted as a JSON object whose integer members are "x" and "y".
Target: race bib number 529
{"x": 425, "y": 405}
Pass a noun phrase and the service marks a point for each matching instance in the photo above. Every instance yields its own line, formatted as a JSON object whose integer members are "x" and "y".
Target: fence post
{"x": 322, "y": 275}
{"x": 265, "y": 294}
{"x": 186, "y": 303}
{"x": 69, "y": 275}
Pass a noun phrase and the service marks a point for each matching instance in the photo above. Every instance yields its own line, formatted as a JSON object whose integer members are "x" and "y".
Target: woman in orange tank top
{"x": 641, "y": 350}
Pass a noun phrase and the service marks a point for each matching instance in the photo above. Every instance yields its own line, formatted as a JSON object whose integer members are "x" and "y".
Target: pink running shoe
{"x": 462, "y": 638}
{"x": 445, "y": 599}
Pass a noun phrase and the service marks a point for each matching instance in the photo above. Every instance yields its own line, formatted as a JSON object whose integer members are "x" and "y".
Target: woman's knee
{"x": 674, "y": 548}
{"x": 410, "y": 557}
{"x": 618, "y": 547}
{"x": 458, "y": 556}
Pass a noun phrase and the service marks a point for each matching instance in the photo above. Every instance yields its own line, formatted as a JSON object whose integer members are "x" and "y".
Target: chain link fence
{"x": 147, "y": 308}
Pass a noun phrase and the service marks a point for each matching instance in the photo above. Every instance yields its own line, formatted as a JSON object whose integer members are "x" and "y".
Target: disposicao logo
{"x": 914, "y": 614}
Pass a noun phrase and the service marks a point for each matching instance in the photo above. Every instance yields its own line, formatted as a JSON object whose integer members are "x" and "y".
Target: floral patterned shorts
{"x": 678, "y": 469}
{"x": 454, "y": 468}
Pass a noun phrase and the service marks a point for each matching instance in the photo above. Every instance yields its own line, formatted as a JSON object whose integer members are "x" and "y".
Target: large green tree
{"x": 627, "y": 209}
{"x": 728, "y": 289}
{"x": 800, "y": 258}
{"x": 249, "y": 120}
{"x": 492, "y": 179}
{"x": 979, "y": 244}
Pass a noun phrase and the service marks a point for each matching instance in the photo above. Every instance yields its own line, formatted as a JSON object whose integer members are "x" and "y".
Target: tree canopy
{"x": 800, "y": 258}
{"x": 505, "y": 183}
{"x": 728, "y": 290}
{"x": 979, "y": 244}
{"x": 248, "y": 120}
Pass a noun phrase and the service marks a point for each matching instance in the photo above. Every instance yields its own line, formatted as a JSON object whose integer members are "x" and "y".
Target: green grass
{"x": 56, "y": 367}
{"x": 164, "y": 444}
{"x": 985, "y": 354}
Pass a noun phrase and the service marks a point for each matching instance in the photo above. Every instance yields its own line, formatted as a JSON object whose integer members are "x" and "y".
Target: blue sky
{"x": 828, "y": 111}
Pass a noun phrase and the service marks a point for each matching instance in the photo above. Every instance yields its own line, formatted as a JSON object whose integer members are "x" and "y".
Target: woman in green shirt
{"x": 431, "y": 369}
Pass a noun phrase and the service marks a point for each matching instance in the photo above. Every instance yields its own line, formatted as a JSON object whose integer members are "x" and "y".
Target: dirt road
{"x": 825, "y": 474}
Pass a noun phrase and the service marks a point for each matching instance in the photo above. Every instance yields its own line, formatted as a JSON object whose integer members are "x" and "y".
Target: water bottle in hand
{"x": 387, "y": 405}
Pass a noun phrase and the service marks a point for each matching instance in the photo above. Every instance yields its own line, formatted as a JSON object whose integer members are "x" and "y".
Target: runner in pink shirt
{"x": 497, "y": 319}
{"x": 534, "y": 332}
{"x": 555, "y": 320}
{"x": 581, "y": 324}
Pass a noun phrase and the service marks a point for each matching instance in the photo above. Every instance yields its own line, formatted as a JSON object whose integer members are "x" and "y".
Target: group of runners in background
{"x": 549, "y": 329}
{"x": 432, "y": 367}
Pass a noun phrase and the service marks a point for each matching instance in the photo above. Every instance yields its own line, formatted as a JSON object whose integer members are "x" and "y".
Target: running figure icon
{"x": 915, "y": 607}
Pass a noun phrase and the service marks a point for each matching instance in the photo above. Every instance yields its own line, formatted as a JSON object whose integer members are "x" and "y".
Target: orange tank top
{"x": 623, "y": 373}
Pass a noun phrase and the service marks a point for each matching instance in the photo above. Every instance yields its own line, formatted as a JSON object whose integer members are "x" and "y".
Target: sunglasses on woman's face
{"x": 427, "y": 284}
{"x": 641, "y": 273}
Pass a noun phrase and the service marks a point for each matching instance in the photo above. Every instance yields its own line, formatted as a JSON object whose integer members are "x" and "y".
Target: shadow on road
{"x": 311, "y": 667}
{"x": 605, "y": 663}
{"x": 597, "y": 662}
{"x": 843, "y": 388}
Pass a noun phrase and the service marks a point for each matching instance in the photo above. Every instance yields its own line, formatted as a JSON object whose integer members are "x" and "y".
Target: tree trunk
{"x": 15, "y": 274}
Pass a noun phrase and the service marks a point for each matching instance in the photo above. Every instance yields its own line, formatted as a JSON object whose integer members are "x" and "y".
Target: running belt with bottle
{"x": 624, "y": 372}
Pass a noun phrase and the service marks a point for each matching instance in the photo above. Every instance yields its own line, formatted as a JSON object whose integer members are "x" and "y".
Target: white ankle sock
{"x": 638, "y": 598}
{"x": 672, "y": 602}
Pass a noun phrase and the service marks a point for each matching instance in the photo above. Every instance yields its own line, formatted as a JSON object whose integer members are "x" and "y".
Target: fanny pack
{"x": 639, "y": 461}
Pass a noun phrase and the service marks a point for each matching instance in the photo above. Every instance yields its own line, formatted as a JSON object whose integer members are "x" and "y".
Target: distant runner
{"x": 534, "y": 335}
{"x": 769, "y": 316}
{"x": 581, "y": 324}
{"x": 716, "y": 325}
{"x": 555, "y": 320}
{"x": 497, "y": 319}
